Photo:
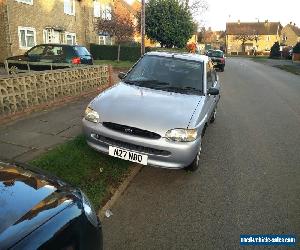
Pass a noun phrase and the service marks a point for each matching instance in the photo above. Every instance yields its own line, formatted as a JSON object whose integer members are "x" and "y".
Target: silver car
{"x": 158, "y": 113}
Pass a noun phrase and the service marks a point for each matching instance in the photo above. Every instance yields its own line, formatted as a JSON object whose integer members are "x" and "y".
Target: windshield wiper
{"x": 146, "y": 83}
{"x": 182, "y": 90}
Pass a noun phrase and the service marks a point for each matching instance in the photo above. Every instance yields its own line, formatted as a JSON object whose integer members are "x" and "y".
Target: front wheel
{"x": 195, "y": 164}
{"x": 214, "y": 115}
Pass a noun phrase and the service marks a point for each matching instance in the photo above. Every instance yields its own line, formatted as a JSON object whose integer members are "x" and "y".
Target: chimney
{"x": 239, "y": 21}
{"x": 266, "y": 21}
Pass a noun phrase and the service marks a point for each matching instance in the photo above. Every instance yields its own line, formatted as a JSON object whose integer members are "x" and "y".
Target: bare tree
{"x": 121, "y": 28}
{"x": 244, "y": 37}
{"x": 196, "y": 7}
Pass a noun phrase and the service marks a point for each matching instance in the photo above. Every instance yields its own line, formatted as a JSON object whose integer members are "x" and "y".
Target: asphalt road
{"x": 249, "y": 181}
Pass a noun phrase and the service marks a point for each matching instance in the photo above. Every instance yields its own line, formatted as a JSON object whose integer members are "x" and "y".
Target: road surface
{"x": 249, "y": 180}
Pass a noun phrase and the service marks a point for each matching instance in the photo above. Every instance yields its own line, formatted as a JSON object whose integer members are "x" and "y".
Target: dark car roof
{"x": 59, "y": 44}
{"x": 28, "y": 198}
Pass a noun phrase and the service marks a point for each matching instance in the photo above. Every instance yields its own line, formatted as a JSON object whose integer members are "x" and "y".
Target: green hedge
{"x": 127, "y": 53}
{"x": 110, "y": 52}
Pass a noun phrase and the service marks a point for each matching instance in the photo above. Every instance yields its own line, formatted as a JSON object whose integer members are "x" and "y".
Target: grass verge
{"x": 97, "y": 175}
{"x": 289, "y": 68}
{"x": 115, "y": 64}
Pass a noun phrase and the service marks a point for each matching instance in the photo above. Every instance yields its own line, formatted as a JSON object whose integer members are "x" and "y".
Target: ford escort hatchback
{"x": 158, "y": 113}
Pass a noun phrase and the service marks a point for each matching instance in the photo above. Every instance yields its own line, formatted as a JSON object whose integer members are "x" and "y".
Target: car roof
{"x": 59, "y": 44}
{"x": 185, "y": 56}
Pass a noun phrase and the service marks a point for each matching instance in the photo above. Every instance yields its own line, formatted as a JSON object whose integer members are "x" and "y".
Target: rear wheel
{"x": 195, "y": 164}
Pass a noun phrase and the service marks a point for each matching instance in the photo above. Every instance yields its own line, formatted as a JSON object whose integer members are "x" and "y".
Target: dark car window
{"x": 54, "y": 51}
{"x": 167, "y": 73}
{"x": 82, "y": 51}
{"x": 215, "y": 53}
{"x": 37, "y": 51}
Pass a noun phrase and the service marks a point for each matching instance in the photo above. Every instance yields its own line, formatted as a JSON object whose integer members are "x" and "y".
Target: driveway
{"x": 249, "y": 178}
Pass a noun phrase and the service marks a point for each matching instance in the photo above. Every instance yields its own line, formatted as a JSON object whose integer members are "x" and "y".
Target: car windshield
{"x": 167, "y": 73}
{"x": 82, "y": 51}
{"x": 215, "y": 53}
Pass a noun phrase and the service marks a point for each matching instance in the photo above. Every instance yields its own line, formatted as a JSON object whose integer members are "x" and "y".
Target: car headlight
{"x": 182, "y": 135}
{"x": 91, "y": 115}
{"x": 89, "y": 210}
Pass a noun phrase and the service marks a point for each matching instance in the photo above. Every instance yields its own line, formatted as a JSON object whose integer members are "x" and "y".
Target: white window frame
{"x": 19, "y": 35}
{"x": 97, "y": 9}
{"x": 66, "y": 10}
{"x": 105, "y": 40}
{"x": 106, "y": 12}
{"x": 30, "y": 2}
{"x": 73, "y": 35}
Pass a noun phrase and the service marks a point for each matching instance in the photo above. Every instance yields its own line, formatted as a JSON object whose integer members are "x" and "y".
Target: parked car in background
{"x": 39, "y": 211}
{"x": 218, "y": 58}
{"x": 50, "y": 56}
{"x": 158, "y": 113}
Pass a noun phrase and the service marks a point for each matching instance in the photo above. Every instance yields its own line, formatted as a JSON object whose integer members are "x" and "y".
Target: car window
{"x": 209, "y": 76}
{"x": 55, "y": 51}
{"x": 82, "y": 51}
{"x": 167, "y": 73}
{"x": 215, "y": 53}
{"x": 37, "y": 51}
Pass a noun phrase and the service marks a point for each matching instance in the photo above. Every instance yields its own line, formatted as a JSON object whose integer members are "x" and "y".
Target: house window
{"x": 97, "y": 9}
{"x": 106, "y": 12}
{"x": 25, "y": 1}
{"x": 69, "y": 7}
{"x": 27, "y": 37}
{"x": 71, "y": 38}
{"x": 268, "y": 38}
{"x": 105, "y": 40}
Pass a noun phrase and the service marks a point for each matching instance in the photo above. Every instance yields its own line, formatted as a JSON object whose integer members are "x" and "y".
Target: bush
{"x": 110, "y": 52}
{"x": 275, "y": 50}
{"x": 296, "y": 48}
{"x": 286, "y": 52}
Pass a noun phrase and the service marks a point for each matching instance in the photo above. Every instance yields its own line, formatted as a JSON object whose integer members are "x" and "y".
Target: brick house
{"x": 290, "y": 34}
{"x": 25, "y": 23}
{"x": 259, "y": 36}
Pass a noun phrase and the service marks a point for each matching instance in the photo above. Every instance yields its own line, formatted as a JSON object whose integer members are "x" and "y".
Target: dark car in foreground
{"x": 218, "y": 58}
{"x": 39, "y": 211}
{"x": 50, "y": 56}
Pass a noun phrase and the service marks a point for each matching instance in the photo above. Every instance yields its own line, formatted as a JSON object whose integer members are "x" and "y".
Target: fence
{"x": 24, "y": 91}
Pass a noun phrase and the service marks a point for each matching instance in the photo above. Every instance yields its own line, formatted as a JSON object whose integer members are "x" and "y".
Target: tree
{"x": 244, "y": 37}
{"x": 169, "y": 23}
{"x": 275, "y": 50}
{"x": 121, "y": 28}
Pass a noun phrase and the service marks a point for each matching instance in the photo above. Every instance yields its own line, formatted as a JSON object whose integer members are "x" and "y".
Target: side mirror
{"x": 213, "y": 91}
{"x": 121, "y": 75}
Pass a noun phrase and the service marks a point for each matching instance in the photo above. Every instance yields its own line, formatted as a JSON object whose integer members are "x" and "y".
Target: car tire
{"x": 195, "y": 164}
{"x": 213, "y": 116}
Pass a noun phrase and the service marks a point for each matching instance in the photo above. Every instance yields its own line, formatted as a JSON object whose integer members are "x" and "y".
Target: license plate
{"x": 128, "y": 155}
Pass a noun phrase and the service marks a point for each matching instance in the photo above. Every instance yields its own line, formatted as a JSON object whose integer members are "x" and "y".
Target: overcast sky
{"x": 221, "y": 11}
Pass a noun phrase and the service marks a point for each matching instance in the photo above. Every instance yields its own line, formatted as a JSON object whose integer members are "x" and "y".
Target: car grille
{"x": 130, "y": 146}
{"x": 131, "y": 130}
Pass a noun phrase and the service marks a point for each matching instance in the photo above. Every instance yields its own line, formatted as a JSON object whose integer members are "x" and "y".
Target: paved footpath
{"x": 24, "y": 139}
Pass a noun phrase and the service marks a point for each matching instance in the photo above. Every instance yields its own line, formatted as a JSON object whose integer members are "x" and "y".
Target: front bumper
{"x": 161, "y": 152}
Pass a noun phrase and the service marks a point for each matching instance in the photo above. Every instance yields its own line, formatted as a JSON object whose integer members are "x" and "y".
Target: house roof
{"x": 295, "y": 29}
{"x": 253, "y": 28}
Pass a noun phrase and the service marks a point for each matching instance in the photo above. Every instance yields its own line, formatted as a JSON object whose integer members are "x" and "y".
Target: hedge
{"x": 127, "y": 53}
{"x": 110, "y": 52}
